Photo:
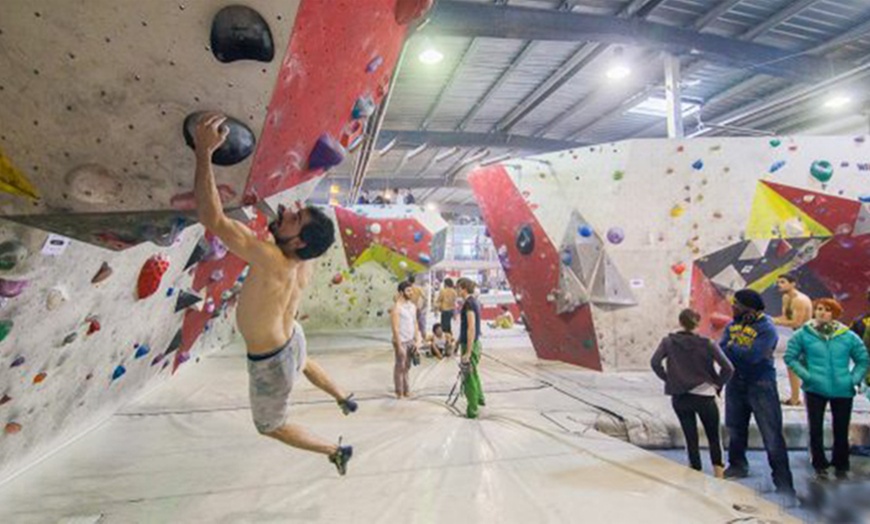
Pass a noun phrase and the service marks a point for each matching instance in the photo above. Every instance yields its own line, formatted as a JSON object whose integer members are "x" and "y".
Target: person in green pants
{"x": 469, "y": 345}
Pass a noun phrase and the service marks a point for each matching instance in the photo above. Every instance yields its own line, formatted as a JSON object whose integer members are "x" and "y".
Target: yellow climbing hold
{"x": 13, "y": 181}
{"x": 677, "y": 211}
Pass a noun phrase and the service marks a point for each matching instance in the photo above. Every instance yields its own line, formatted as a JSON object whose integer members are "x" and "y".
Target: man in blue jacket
{"x": 749, "y": 342}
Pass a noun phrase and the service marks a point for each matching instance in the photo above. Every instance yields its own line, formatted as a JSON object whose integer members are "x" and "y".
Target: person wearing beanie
{"x": 748, "y": 342}
{"x": 693, "y": 383}
{"x": 832, "y": 362}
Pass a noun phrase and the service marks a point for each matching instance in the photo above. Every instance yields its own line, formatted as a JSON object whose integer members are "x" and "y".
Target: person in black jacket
{"x": 692, "y": 382}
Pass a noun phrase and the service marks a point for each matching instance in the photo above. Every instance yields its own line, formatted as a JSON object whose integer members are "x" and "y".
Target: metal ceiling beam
{"x": 713, "y": 14}
{"x": 464, "y": 140}
{"x": 468, "y": 19}
{"x": 779, "y": 17}
{"x": 583, "y": 56}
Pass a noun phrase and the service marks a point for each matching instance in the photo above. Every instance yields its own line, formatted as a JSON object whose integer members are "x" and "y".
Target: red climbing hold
{"x": 407, "y": 11}
{"x": 678, "y": 268}
{"x": 93, "y": 325}
{"x": 12, "y": 428}
{"x": 151, "y": 275}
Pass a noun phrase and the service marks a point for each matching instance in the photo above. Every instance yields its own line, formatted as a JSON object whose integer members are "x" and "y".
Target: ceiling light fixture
{"x": 432, "y": 206}
{"x": 430, "y": 55}
{"x": 618, "y": 69}
{"x": 837, "y": 101}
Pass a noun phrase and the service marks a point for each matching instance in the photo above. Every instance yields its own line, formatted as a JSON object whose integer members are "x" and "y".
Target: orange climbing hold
{"x": 12, "y": 428}
{"x": 40, "y": 377}
{"x": 151, "y": 275}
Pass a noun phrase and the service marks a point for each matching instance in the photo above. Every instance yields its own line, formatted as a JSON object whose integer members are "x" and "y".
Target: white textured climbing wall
{"x": 77, "y": 350}
{"x": 606, "y": 244}
{"x": 355, "y": 282}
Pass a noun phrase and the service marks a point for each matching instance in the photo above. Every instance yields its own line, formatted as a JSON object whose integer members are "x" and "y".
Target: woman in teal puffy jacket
{"x": 820, "y": 353}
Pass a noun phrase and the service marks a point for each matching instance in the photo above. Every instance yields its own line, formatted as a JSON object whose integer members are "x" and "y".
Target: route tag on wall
{"x": 55, "y": 245}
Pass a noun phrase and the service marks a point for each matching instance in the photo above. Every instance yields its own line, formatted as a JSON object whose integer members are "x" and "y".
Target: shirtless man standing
{"x": 797, "y": 309}
{"x": 268, "y": 302}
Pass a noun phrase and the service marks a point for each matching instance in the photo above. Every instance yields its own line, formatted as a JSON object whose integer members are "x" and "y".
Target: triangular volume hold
{"x": 186, "y": 300}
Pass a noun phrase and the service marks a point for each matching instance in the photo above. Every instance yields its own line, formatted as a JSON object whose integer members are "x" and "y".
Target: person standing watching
{"x": 446, "y": 303}
{"x": 797, "y": 309}
{"x": 693, "y": 383}
{"x": 469, "y": 346}
{"x": 749, "y": 342}
{"x": 406, "y": 338}
{"x": 820, "y": 353}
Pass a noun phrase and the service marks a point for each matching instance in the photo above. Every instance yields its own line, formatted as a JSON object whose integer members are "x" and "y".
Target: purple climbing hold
{"x": 216, "y": 249}
{"x": 615, "y": 235}
{"x": 363, "y": 108}
{"x": 327, "y": 153}
{"x": 157, "y": 359}
{"x": 217, "y": 275}
{"x": 12, "y": 288}
{"x": 182, "y": 358}
{"x": 19, "y": 360}
{"x": 119, "y": 372}
{"x": 698, "y": 165}
{"x": 142, "y": 351}
{"x": 375, "y": 64}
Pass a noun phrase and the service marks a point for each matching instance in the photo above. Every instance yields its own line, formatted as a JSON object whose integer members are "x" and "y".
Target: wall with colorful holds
{"x": 81, "y": 342}
{"x": 355, "y": 282}
{"x": 604, "y": 245}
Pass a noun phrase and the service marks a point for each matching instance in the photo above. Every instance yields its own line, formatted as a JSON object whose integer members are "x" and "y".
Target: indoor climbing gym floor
{"x": 546, "y": 448}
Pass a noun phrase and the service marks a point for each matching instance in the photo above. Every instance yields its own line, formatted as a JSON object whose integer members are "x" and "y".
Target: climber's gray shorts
{"x": 271, "y": 378}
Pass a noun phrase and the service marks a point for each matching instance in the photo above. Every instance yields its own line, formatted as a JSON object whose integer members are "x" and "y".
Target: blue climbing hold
{"x": 119, "y": 372}
{"x": 584, "y": 231}
{"x": 865, "y": 198}
{"x": 567, "y": 257}
{"x": 375, "y": 64}
{"x": 170, "y": 292}
{"x": 418, "y": 236}
{"x": 424, "y": 258}
{"x": 698, "y": 165}
{"x": 363, "y": 108}
{"x": 776, "y": 166}
{"x": 142, "y": 351}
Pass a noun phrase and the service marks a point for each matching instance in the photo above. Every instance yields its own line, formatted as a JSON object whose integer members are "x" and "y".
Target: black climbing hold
{"x": 185, "y": 300}
{"x": 197, "y": 255}
{"x": 174, "y": 344}
{"x": 240, "y": 33}
{"x": 525, "y": 239}
{"x": 238, "y": 146}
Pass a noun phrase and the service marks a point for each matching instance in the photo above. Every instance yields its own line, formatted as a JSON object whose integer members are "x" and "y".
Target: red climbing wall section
{"x": 341, "y": 50}
{"x": 405, "y": 236}
{"x": 569, "y": 337}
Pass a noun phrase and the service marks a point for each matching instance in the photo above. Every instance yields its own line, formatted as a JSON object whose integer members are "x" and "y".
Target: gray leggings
{"x": 403, "y": 364}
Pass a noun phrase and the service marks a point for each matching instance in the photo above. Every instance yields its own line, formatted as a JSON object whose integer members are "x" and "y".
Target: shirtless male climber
{"x": 268, "y": 302}
{"x": 797, "y": 309}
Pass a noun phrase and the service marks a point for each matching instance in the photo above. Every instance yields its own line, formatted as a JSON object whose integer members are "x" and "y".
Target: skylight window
{"x": 657, "y": 106}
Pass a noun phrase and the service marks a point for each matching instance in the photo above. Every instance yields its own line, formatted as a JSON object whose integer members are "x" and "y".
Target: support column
{"x": 673, "y": 96}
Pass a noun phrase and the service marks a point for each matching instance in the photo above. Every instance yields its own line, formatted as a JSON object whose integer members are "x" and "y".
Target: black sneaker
{"x": 348, "y": 405}
{"x": 341, "y": 457}
{"x": 734, "y": 472}
{"x": 842, "y": 474}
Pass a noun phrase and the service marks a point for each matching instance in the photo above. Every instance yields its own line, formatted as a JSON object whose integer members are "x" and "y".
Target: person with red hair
{"x": 832, "y": 362}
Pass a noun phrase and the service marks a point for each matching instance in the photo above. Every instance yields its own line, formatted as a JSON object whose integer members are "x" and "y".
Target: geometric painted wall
{"x": 604, "y": 245}
{"x": 354, "y": 284}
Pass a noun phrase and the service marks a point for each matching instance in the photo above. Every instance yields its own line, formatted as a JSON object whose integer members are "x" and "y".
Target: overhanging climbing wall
{"x": 604, "y": 245}
{"x": 96, "y": 105}
{"x": 355, "y": 283}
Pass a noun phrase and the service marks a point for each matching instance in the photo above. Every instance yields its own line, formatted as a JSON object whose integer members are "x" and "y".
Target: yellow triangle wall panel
{"x": 773, "y": 216}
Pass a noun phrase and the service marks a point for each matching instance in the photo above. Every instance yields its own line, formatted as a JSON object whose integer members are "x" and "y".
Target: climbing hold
{"x": 363, "y": 108}
{"x": 12, "y": 288}
{"x": 374, "y": 64}
{"x": 12, "y": 253}
{"x": 55, "y": 298}
{"x": 94, "y": 184}
{"x": 5, "y": 399}
{"x": 102, "y": 274}
{"x": 618, "y": 175}
{"x": 69, "y": 339}
{"x": 238, "y": 146}
{"x": 198, "y": 253}
{"x": 216, "y": 248}
{"x": 677, "y": 211}
{"x": 407, "y": 11}
{"x": 5, "y": 328}
{"x": 142, "y": 351}
{"x": 209, "y": 305}
{"x": 698, "y": 165}
{"x": 865, "y": 198}
{"x": 525, "y": 240}
{"x": 352, "y": 135}
{"x": 240, "y": 33}
{"x": 375, "y": 228}
{"x": 12, "y": 428}
{"x": 588, "y": 343}
{"x": 822, "y": 170}
{"x": 418, "y": 236}
{"x": 327, "y": 153}
{"x": 337, "y": 278}
{"x": 170, "y": 292}
{"x": 185, "y": 300}
{"x": 118, "y": 373}
{"x": 185, "y": 356}
{"x": 567, "y": 257}
{"x": 40, "y": 377}
{"x": 678, "y": 268}
{"x": 217, "y": 275}
{"x": 403, "y": 265}
{"x": 93, "y": 325}
{"x": 19, "y": 360}
{"x": 776, "y": 166}
{"x": 424, "y": 258}
{"x": 151, "y": 274}
{"x": 157, "y": 360}
{"x": 775, "y": 142}
{"x": 584, "y": 231}
{"x": 615, "y": 235}
{"x": 175, "y": 343}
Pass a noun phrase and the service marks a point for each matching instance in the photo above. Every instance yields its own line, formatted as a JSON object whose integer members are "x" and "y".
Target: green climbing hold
{"x": 588, "y": 343}
{"x": 822, "y": 170}
{"x": 775, "y": 142}
{"x": 12, "y": 253}
{"x": 617, "y": 175}
{"x": 5, "y": 329}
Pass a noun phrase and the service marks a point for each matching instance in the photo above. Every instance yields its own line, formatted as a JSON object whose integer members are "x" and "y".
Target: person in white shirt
{"x": 406, "y": 337}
